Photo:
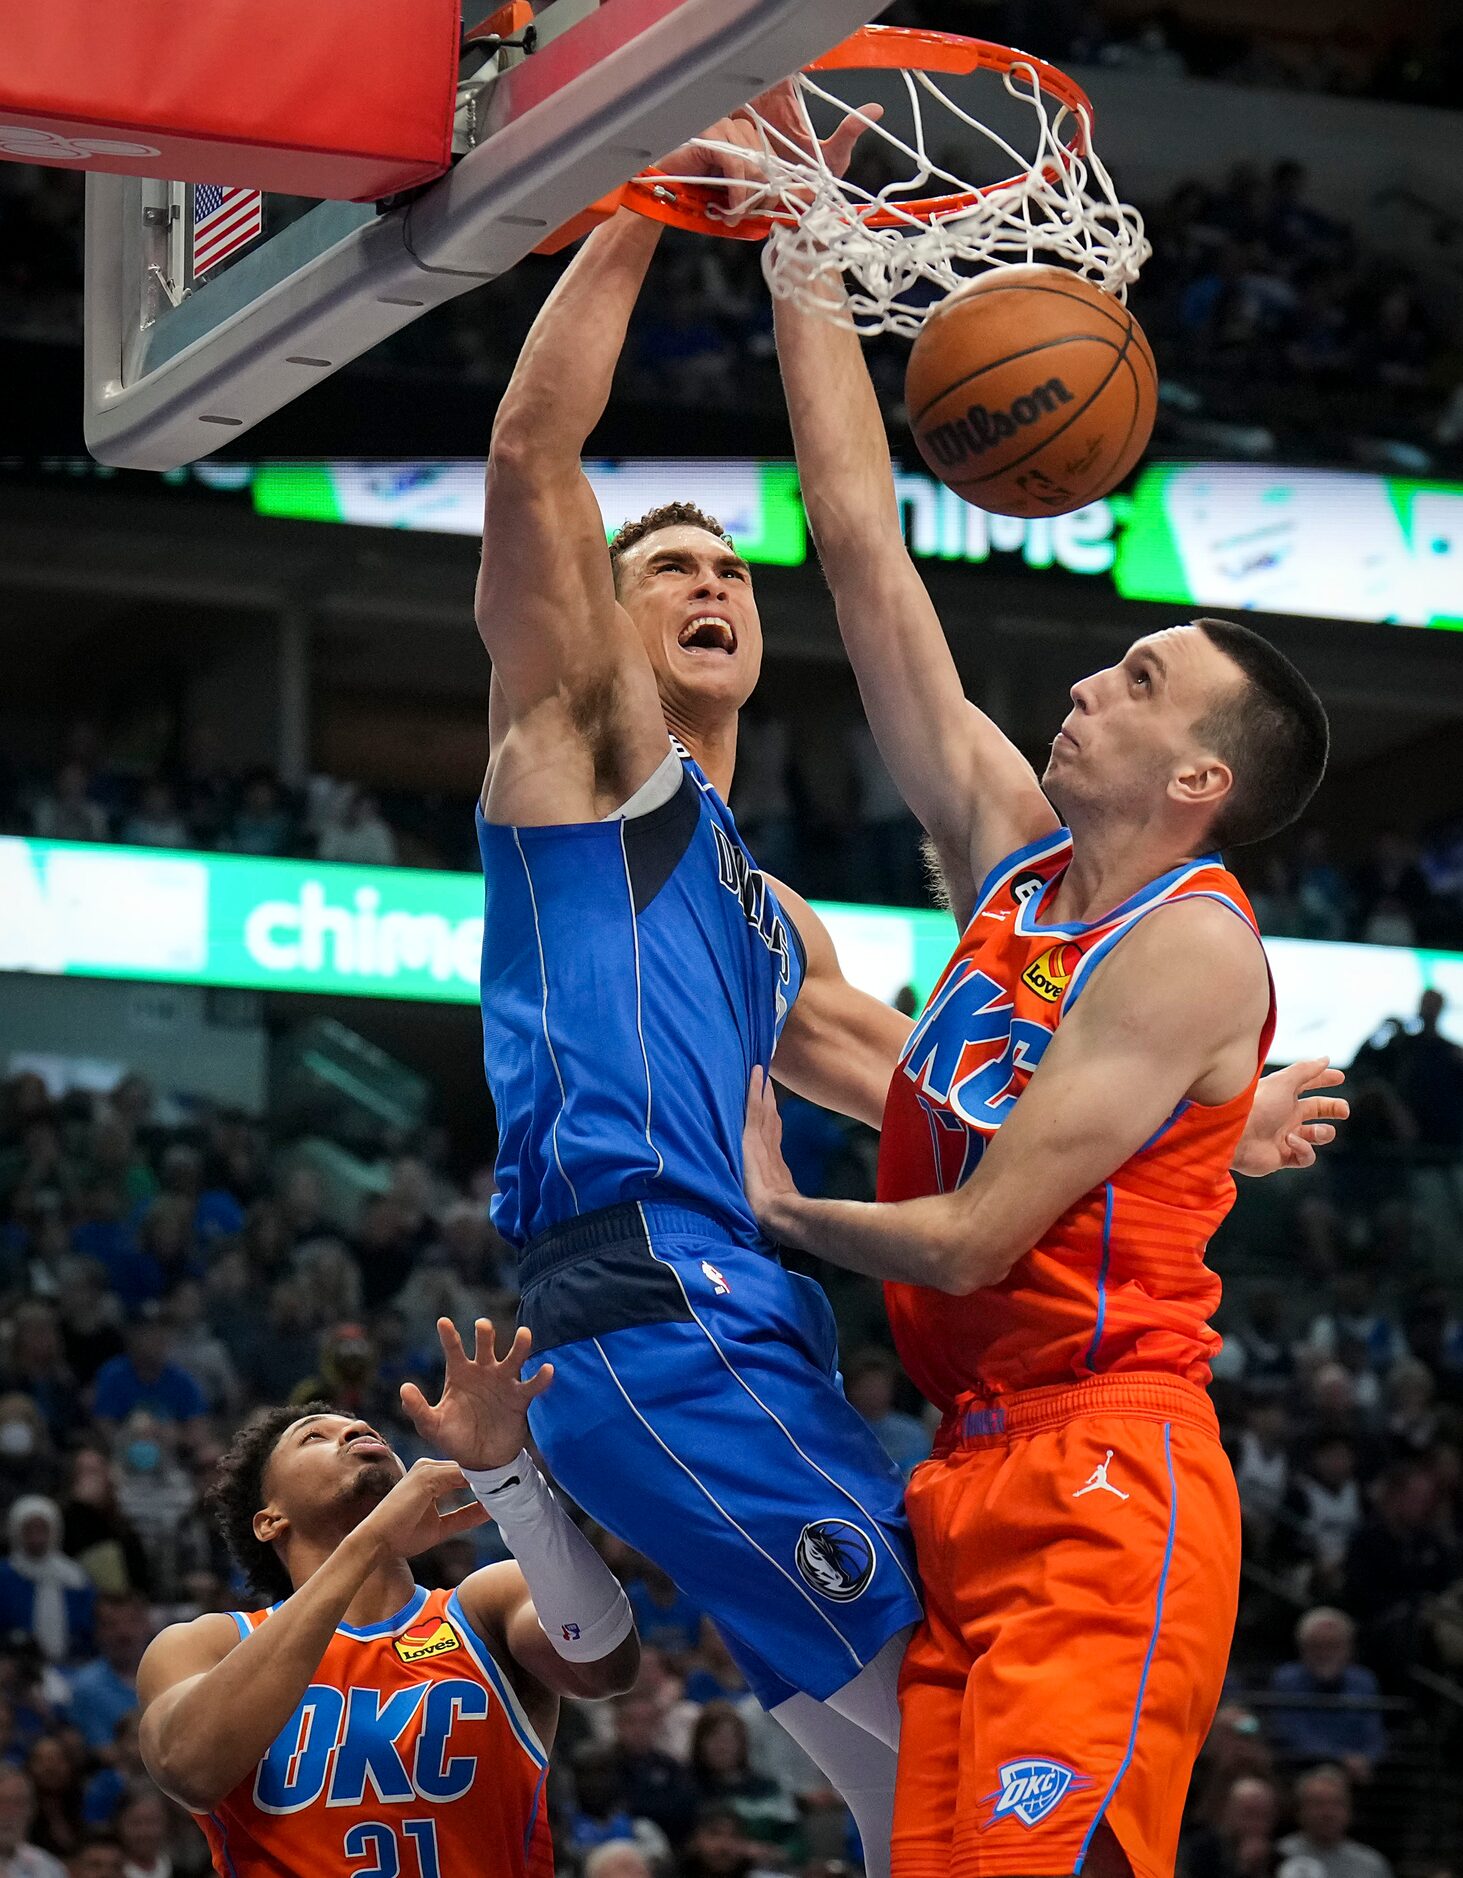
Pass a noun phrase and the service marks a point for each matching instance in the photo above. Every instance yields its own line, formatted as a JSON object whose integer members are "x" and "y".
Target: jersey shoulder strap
{"x": 1020, "y": 874}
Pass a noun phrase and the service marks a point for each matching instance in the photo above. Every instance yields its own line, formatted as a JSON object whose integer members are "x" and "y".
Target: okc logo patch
{"x": 424, "y": 1640}
{"x": 836, "y": 1558}
{"x": 1031, "y": 1790}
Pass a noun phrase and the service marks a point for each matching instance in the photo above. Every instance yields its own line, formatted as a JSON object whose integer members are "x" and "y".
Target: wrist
{"x": 362, "y": 1550}
{"x": 501, "y": 1484}
{"x": 489, "y": 1456}
{"x": 784, "y": 1217}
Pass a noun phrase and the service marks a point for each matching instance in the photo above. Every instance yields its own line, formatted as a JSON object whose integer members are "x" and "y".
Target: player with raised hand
{"x": 636, "y": 966}
{"x": 356, "y": 1722}
{"x": 1056, "y": 1152}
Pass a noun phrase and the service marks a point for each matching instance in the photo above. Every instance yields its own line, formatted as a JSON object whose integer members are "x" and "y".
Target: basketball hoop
{"x": 911, "y": 241}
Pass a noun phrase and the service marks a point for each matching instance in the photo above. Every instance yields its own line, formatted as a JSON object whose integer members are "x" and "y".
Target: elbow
{"x": 530, "y": 468}
{"x": 514, "y": 451}
{"x": 615, "y": 1674}
{"x": 182, "y": 1779}
{"x": 968, "y": 1264}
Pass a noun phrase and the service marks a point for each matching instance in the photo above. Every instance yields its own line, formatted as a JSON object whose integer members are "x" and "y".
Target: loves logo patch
{"x": 1050, "y": 975}
{"x": 435, "y": 1637}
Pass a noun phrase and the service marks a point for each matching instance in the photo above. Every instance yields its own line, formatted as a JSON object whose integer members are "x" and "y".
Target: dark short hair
{"x": 669, "y": 515}
{"x": 1272, "y": 732}
{"x": 236, "y": 1494}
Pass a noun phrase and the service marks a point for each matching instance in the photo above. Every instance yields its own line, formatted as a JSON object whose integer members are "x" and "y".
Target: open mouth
{"x": 708, "y": 632}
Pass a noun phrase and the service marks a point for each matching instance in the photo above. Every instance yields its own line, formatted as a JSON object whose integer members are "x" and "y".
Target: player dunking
{"x": 636, "y": 966}
{"x": 1055, "y": 1156}
{"x": 359, "y": 1724}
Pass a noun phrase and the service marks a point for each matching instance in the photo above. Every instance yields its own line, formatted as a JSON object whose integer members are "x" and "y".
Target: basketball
{"x": 1031, "y": 391}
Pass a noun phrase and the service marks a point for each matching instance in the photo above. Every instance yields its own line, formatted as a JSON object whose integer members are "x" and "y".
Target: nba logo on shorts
{"x": 1032, "y": 1789}
{"x": 836, "y": 1558}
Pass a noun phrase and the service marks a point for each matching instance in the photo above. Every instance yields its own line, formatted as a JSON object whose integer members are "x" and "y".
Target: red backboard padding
{"x": 350, "y": 99}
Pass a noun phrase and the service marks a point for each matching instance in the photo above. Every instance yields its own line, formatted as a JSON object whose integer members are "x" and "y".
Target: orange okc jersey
{"x": 409, "y": 1756}
{"x": 1119, "y": 1282}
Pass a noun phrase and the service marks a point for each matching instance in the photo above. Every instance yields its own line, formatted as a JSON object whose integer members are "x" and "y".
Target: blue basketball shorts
{"x": 697, "y": 1413}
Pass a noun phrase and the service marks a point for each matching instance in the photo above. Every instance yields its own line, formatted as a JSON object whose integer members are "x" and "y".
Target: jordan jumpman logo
{"x": 1099, "y": 1482}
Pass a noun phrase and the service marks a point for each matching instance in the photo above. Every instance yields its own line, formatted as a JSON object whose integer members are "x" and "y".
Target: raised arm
{"x": 970, "y": 787}
{"x": 558, "y": 1615}
{"x": 569, "y": 672}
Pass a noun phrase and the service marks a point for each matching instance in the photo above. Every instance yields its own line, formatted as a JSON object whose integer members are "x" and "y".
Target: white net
{"x": 836, "y": 243}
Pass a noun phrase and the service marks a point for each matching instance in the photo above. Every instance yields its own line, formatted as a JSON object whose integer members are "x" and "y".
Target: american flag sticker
{"x": 224, "y": 219}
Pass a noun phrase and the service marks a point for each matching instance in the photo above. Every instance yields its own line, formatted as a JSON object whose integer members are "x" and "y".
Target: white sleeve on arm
{"x": 582, "y": 1608}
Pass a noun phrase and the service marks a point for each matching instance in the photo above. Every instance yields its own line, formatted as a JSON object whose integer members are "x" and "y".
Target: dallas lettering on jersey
{"x": 341, "y": 1745}
{"x": 970, "y": 1054}
{"x": 741, "y": 879}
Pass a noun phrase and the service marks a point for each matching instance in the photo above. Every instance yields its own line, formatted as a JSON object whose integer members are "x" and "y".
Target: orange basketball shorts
{"x": 1080, "y": 1554}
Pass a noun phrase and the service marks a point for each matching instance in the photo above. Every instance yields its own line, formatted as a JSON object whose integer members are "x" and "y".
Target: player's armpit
{"x": 839, "y": 1045}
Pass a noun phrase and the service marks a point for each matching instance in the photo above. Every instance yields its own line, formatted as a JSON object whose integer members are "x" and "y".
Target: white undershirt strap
{"x": 657, "y": 789}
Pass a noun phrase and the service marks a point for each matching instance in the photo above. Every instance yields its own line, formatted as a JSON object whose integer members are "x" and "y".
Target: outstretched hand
{"x": 481, "y": 1418}
{"x": 1287, "y": 1122}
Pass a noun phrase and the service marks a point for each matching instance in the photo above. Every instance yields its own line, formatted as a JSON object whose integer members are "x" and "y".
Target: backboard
{"x": 181, "y": 358}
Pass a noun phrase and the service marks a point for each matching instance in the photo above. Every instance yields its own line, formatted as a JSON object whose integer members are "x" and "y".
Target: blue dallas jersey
{"x": 634, "y": 972}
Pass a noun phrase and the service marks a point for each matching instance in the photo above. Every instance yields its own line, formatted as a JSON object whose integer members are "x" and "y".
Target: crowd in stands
{"x": 835, "y": 826}
{"x": 253, "y": 813}
{"x": 1268, "y": 316}
{"x": 1396, "y": 891}
{"x": 1263, "y": 308}
{"x": 1414, "y": 57}
{"x": 166, "y": 1265}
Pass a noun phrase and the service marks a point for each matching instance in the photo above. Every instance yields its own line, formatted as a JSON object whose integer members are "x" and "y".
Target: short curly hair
{"x": 236, "y": 1494}
{"x": 669, "y": 515}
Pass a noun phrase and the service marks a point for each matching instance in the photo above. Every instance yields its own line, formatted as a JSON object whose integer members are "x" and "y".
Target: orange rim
{"x": 693, "y": 207}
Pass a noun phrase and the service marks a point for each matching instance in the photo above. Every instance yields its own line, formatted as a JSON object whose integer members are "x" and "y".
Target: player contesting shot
{"x": 1055, "y": 1156}
{"x": 636, "y": 967}
{"x": 358, "y": 1722}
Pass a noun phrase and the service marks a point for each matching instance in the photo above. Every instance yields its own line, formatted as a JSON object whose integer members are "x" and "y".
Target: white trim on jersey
{"x": 523, "y": 1729}
{"x": 657, "y": 789}
{"x": 671, "y": 1454}
{"x": 639, "y": 1024}
{"x": 543, "y": 971}
{"x": 837, "y": 1485}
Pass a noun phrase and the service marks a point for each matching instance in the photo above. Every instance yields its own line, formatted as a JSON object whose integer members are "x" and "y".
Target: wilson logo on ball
{"x": 981, "y": 430}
